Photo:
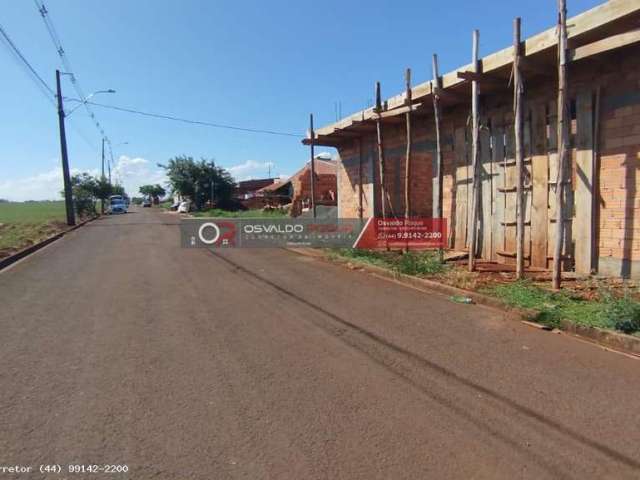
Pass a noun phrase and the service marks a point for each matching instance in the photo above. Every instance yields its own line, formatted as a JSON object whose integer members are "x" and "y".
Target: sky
{"x": 248, "y": 63}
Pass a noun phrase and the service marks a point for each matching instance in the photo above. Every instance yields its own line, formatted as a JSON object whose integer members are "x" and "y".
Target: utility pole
{"x": 102, "y": 179}
{"x": 313, "y": 167}
{"x": 68, "y": 194}
{"x": 213, "y": 183}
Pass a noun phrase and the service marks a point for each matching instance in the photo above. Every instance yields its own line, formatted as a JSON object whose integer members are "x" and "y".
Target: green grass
{"x": 609, "y": 312}
{"x": 216, "y": 212}
{"x": 31, "y": 212}
{"x": 22, "y": 224}
{"x": 621, "y": 314}
{"x": 422, "y": 264}
{"x": 366, "y": 256}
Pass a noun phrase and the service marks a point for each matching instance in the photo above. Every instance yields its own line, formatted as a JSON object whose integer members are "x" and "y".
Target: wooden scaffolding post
{"x": 360, "y": 187}
{"x": 378, "y": 110}
{"x": 407, "y": 169}
{"x": 519, "y": 141}
{"x": 563, "y": 136}
{"x": 475, "y": 127}
{"x": 313, "y": 167}
{"x": 437, "y": 184}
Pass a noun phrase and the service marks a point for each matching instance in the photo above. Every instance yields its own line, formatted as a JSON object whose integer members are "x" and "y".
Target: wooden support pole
{"x": 563, "y": 136}
{"x": 378, "y": 110}
{"x": 437, "y": 181}
{"x": 360, "y": 187}
{"x": 475, "y": 127}
{"x": 313, "y": 167}
{"x": 519, "y": 142}
{"x": 407, "y": 170}
{"x": 595, "y": 208}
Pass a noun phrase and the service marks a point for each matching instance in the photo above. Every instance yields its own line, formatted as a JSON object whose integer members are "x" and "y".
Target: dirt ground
{"x": 492, "y": 274}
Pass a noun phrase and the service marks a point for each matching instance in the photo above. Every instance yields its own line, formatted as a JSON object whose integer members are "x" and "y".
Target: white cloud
{"x": 132, "y": 172}
{"x": 42, "y": 186}
{"x": 128, "y": 171}
{"x": 251, "y": 169}
{"x": 325, "y": 156}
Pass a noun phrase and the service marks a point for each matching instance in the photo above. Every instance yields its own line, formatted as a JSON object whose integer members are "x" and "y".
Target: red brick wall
{"x": 619, "y": 215}
{"x": 617, "y": 209}
{"x": 326, "y": 189}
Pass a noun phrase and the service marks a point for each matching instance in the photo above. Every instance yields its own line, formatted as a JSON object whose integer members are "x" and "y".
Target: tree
{"x": 118, "y": 190}
{"x": 86, "y": 189}
{"x": 202, "y": 181}
{"x": 155, "y": 191}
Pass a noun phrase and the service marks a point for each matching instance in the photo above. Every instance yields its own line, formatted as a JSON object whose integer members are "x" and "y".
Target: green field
{"x": 25, "y": 223}
{"x": 31, "y": 212}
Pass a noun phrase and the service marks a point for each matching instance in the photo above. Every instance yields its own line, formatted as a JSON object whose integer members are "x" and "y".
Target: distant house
{"x": 296, "y": 190}
{"x": 247, "y": 188}
{"x": 246, "y": 192}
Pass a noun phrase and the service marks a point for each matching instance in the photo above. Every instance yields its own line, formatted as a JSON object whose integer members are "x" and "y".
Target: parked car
{"x": 146, "y": 202}
{"x": 185, "y": 207}
{"x": 117, "y": 206}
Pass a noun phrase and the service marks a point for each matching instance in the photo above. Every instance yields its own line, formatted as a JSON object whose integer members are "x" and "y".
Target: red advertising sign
{"x": 415, "y": 233}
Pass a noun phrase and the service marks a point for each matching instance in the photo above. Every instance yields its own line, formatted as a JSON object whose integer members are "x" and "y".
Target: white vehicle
{"x": 184, "y": 207}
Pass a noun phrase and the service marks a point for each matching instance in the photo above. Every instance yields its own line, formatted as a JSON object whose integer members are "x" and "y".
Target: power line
{"x": 194, "y": 122}
{"x": 55, "y": 38}
{"x": 42, "y": 85}
{"x": 66, "y": 63}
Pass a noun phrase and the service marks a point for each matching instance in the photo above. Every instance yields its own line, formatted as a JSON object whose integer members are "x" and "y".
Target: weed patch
{"x": 420, "y": 264}
{"x": 621, "y": 314}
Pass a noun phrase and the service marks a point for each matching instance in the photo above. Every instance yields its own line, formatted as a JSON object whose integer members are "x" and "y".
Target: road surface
{"x": 121, "y": 348}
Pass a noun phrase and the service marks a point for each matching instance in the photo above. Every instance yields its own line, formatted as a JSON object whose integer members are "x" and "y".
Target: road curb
{"x": 613, "y": 340}
{"x": 25, "y": 252}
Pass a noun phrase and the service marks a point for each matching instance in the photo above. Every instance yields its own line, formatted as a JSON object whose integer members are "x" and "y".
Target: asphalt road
{"x": 121, "y": 348}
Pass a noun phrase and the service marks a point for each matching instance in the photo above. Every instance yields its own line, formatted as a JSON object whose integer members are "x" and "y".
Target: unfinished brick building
{"x": 602, "y": 204}
{"x": 297, "y": 188}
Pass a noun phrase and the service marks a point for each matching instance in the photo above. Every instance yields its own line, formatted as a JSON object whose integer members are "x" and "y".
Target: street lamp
{"x": 86, "y": 100}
